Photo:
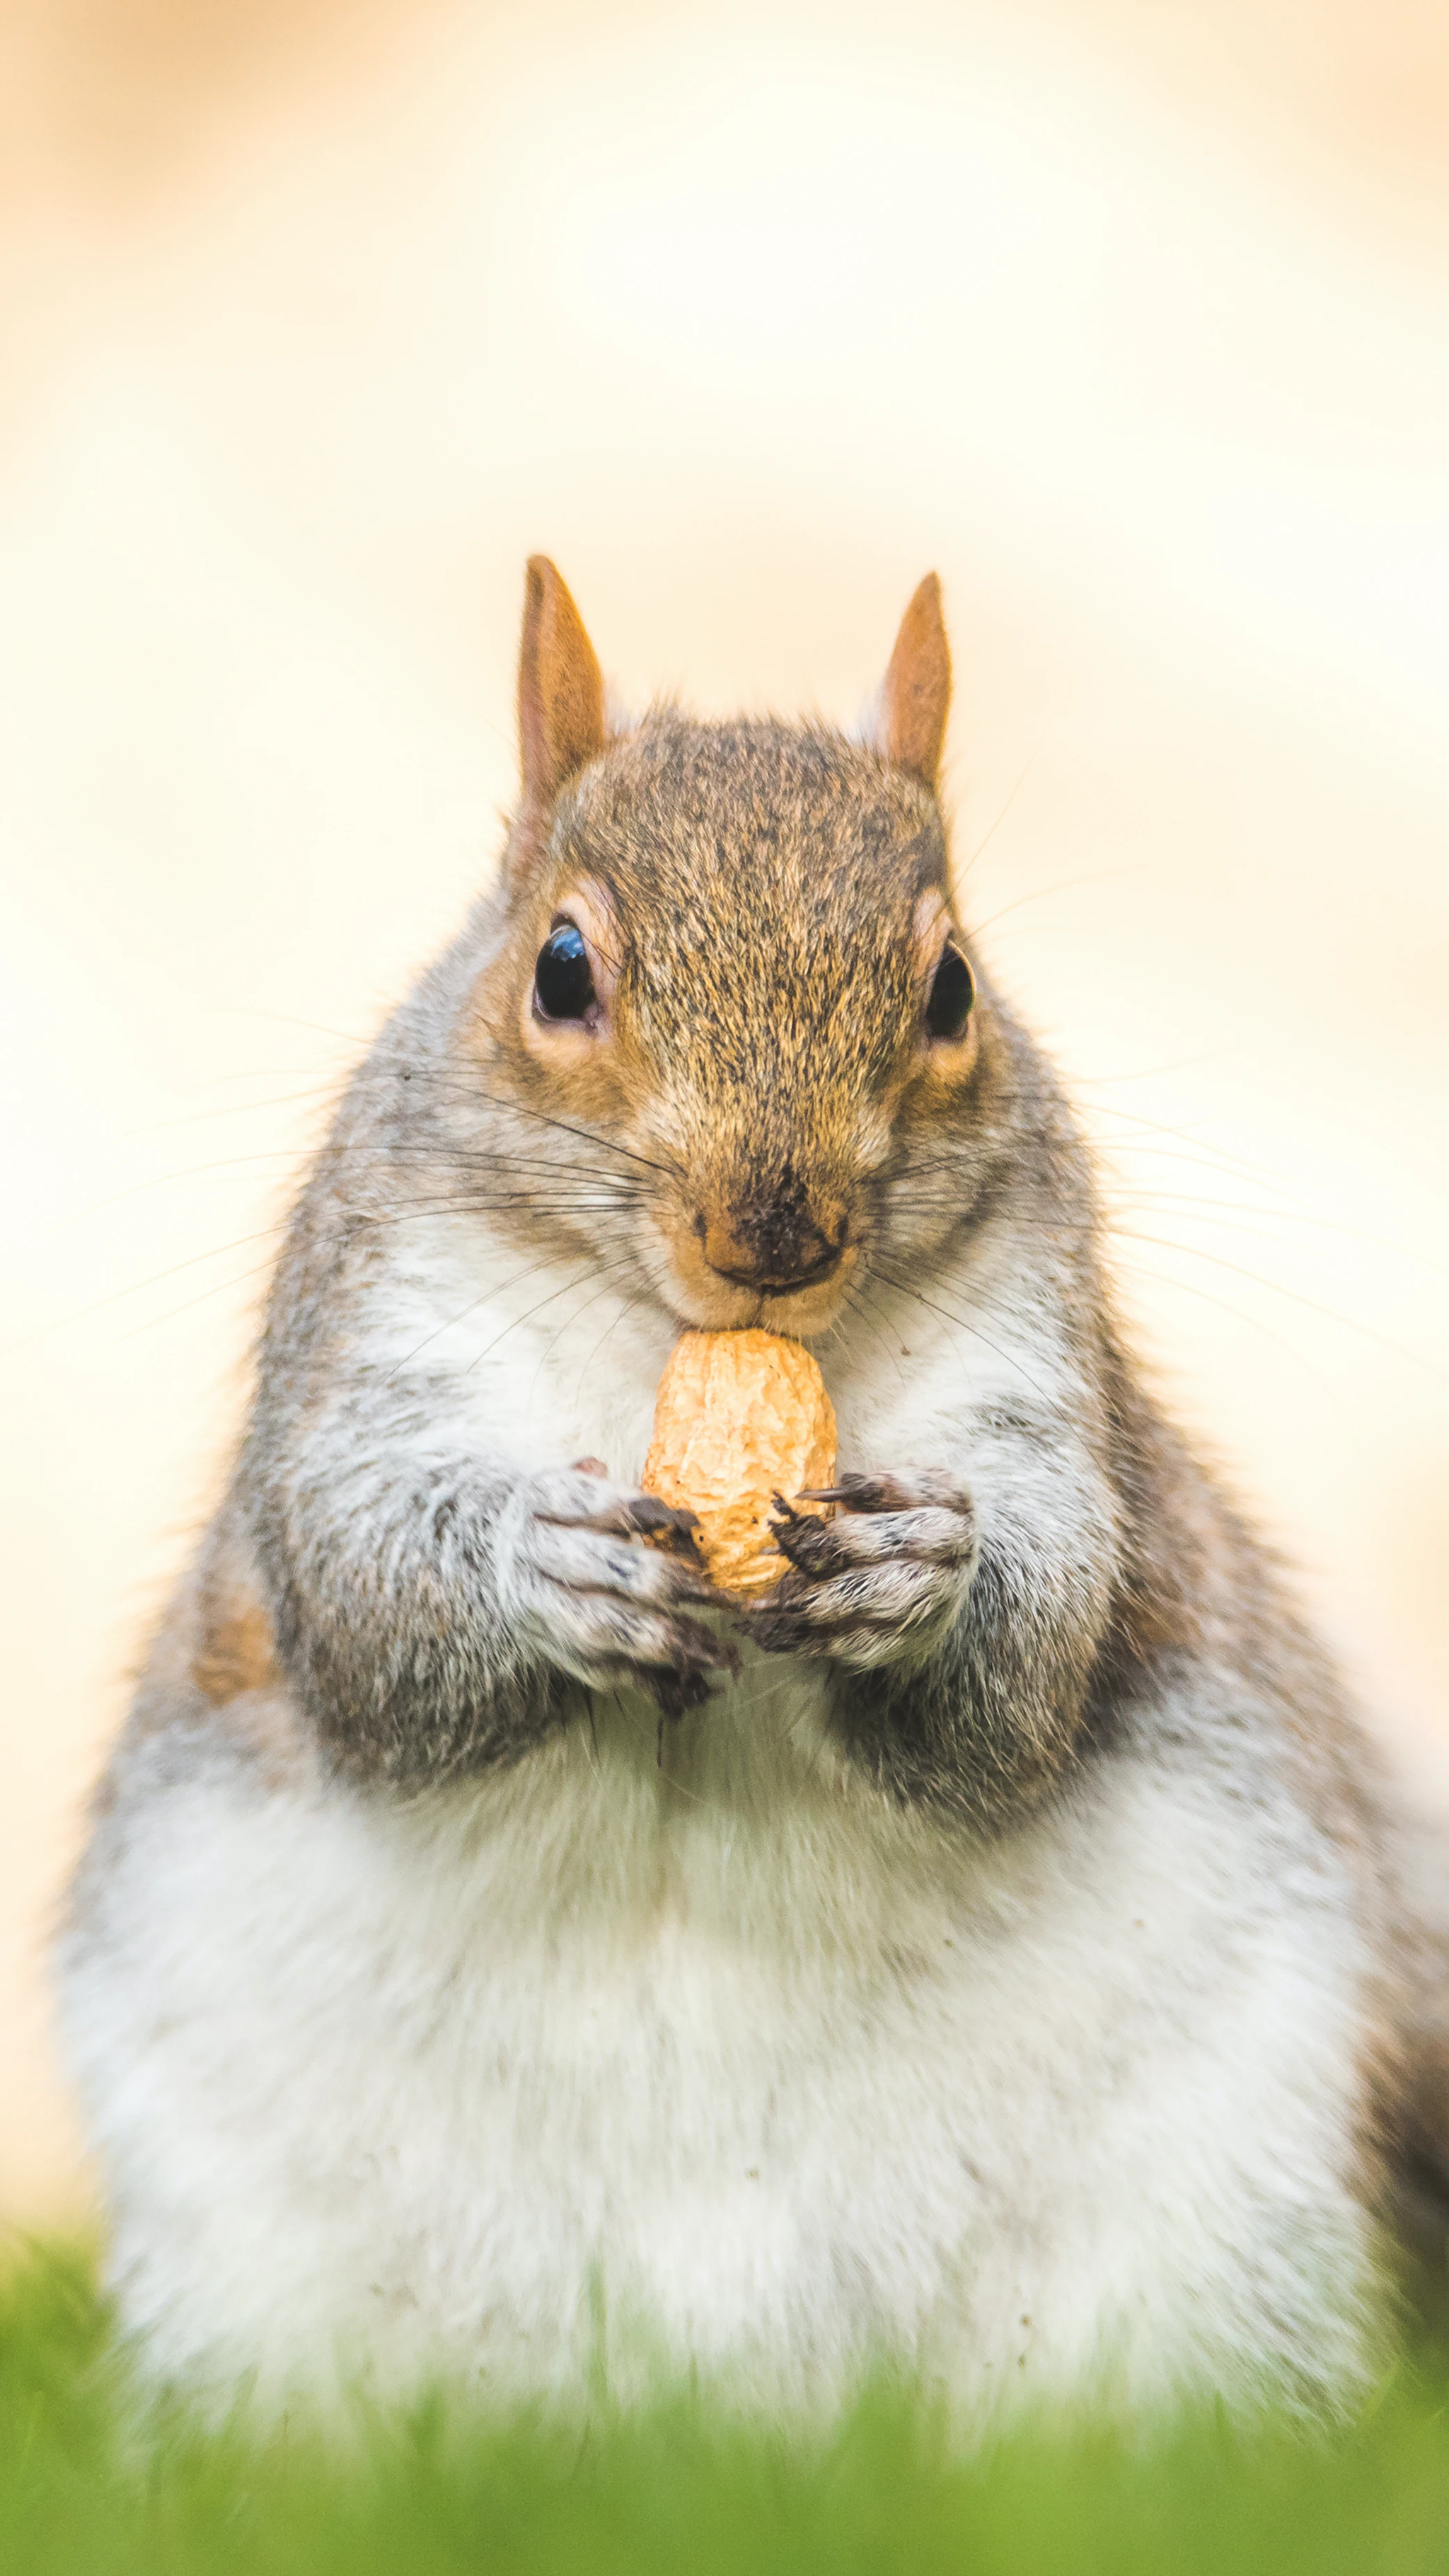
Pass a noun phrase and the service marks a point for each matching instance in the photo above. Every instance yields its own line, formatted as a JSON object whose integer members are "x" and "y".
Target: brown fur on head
{"x": 763, "y": 909}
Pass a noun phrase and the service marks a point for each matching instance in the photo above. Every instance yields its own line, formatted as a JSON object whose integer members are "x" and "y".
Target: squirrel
{"x": 993, "y": 1956}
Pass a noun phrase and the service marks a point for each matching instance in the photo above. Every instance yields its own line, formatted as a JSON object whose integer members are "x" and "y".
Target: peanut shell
{"x": 739, "y": 1418}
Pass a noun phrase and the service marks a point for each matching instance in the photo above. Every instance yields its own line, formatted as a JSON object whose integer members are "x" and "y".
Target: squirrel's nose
{"x": 771, "y": 1246}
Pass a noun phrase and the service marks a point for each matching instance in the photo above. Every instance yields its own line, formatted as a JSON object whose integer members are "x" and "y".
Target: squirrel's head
{"x": 732, "y": 972}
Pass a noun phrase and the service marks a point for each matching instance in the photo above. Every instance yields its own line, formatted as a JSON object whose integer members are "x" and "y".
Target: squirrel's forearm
{"x": 999, "y": 1700}
{"x": 385, "y": 1561}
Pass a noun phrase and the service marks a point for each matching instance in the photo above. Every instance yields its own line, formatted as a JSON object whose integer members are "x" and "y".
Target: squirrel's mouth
{"x": 824, "y": 1268}
{"x": 801, "y": 1302}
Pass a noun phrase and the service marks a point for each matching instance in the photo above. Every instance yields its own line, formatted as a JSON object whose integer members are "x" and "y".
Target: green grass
{"x": 432, "y": 2492}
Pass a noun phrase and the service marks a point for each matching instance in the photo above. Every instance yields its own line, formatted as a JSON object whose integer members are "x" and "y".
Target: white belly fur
{"x": 591, "y": 2069}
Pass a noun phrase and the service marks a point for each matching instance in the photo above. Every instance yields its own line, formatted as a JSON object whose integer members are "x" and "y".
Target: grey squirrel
{"x": 999, "y": 1966}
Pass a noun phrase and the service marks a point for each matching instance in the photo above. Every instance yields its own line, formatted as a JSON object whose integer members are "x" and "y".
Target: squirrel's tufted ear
{"x": 560, "y": 687}
{"x": 916, "y": 691}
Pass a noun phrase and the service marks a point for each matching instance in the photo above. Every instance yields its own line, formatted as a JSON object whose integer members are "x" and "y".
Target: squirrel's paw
{"x": 596, "y": 1600}
{"x": 880, "y": 1583}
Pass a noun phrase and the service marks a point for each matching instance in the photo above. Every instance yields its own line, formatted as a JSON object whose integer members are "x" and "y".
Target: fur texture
{"x": 491, "y": 1957}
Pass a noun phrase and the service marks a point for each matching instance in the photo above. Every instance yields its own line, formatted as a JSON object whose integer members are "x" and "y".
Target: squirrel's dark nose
{"x": 772, "y": 1244}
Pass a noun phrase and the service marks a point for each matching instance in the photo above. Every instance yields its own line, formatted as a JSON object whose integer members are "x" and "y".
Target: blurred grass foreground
{"x": 430, "y": 2490}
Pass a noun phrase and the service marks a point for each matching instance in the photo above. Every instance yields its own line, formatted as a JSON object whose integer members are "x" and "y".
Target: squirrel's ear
{"x": 560, "y": 687}
{"x": 916, "y": 691}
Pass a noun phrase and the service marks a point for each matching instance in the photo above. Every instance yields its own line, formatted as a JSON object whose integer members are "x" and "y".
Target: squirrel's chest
{"x": 727, "y": 2072}
{"x": 606, "y": 2002}
{"x": 576, "y": 2045}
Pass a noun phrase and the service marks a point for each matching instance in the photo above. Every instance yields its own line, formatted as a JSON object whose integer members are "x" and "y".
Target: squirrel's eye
{"x": 953, "y": 990}
{"x": 563, "y": 986}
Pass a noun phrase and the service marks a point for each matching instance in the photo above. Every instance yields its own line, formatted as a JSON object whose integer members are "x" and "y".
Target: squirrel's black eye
{"x": 953, "y": 990}
{"x": 563, "y": 987}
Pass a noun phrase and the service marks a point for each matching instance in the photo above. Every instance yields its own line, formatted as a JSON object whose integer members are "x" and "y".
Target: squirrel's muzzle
{"x": 775, "y": 1243}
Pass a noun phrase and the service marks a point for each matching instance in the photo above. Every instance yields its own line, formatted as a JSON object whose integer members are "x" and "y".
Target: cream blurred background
{"x": 1133, "y": 320}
